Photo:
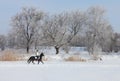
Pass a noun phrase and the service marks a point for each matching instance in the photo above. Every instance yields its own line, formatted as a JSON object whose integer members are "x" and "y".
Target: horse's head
{"x": 42, "y": 54}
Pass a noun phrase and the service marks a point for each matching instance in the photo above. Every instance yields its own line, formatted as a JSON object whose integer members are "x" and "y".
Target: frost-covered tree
{"x": 115, "y": 42}
{"x": 11, "y": 40}
{"x": 2, "y": 42}
{"x": 62, "y": 28}
{"x": 99, "y": 31}
{"x": 55, "y": 30}
{"x": 25, "y": 26}
{"x": 76, "y": 21}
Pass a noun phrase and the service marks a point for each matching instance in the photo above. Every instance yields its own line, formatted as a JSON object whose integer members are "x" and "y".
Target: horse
{"x": 36, "y": 58}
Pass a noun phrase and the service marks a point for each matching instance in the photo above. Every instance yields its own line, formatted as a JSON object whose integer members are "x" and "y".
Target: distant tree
{"x": 76, "y": 21}
{"x": 62, "y": 28}
{"x": 115, "y": 42}
{"x": 25, "y": 26}
{"x": 98, "y": 31}
{"x": 11, "y": 40}
{"x": 55, "y": 30}
{"x": 2, "y": 42}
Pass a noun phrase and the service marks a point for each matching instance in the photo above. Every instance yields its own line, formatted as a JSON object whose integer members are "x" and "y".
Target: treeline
{"x": 31, "y": 28}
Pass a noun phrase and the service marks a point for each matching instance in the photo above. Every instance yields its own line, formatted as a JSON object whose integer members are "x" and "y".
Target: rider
{"x": 37, "y": 54}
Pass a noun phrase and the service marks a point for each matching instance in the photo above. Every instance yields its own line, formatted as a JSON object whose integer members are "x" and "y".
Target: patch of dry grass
{"x": 75, "y": 58}
{"x": 96, "y": 57}
{"x": 9, "y": 56}
{"x": 45, "y": 59}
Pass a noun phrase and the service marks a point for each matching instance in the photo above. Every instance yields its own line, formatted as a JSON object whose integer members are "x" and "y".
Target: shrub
{"x": 9, "y": 56}
{"x": 75, "y": 58}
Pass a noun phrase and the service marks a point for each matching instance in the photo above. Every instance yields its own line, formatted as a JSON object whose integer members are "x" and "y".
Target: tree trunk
{"x": 57, "y": 49}
{"x": 27, "y": 49}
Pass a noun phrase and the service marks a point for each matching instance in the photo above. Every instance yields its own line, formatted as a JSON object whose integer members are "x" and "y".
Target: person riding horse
{"x": 36, "y": 58}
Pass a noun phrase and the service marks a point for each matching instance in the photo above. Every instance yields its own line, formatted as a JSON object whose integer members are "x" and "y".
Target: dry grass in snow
{"x": 75, "y": 58}
{"x": 9, "y": 55}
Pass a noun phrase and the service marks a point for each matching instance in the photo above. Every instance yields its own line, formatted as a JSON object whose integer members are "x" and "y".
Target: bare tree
{"x": 25, "y": 26}
{"x": 99, "y": 31}
{"x": 2, "y": 42}
{"x": 77, "y": 21}
{"x": 115, "y": 45}
{"x": 55, "y": 30}
{"x": 11, "y": 40}
{"x": 61, "y": 29}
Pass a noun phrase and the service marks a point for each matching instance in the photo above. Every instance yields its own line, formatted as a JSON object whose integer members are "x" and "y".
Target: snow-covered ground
{"x": 106, "y": 70}
{"x": 57, "y": 69}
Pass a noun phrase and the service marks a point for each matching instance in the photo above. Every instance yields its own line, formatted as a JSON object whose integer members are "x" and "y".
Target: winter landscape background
{"x": 80, "y": 40}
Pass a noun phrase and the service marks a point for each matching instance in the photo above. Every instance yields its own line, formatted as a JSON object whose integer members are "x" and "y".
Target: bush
{"x": 9, "y": 56}
{"x": 75, "y": 58}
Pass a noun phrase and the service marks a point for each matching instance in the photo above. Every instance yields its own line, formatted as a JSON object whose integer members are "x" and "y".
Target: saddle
{"x": 37, "y": 57}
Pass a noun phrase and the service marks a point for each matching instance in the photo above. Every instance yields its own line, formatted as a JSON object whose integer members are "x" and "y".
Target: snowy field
{"x": 106, "y": 70}
{"x": 57, "y": 69}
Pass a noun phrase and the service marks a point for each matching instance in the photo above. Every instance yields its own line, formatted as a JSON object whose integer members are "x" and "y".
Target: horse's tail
{"x": 28, "y": 61}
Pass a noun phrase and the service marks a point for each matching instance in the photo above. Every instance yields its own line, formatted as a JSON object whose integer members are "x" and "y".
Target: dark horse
{"x": 36, "y": 58}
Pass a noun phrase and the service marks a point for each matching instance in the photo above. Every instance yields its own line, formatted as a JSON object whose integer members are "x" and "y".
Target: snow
{"x": 106, "y": 70}
{"x": 57, "y": 69}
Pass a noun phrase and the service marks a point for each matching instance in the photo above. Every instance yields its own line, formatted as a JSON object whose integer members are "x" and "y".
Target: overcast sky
{"x": 9, "y": 8}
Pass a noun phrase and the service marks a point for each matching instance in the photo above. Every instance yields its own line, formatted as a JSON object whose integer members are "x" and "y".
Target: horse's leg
{"x": 33, "y": 61}
{"x": 38, "y": 61}
{"x": 42, "y": 62}
{"x": 28, "y": 61}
